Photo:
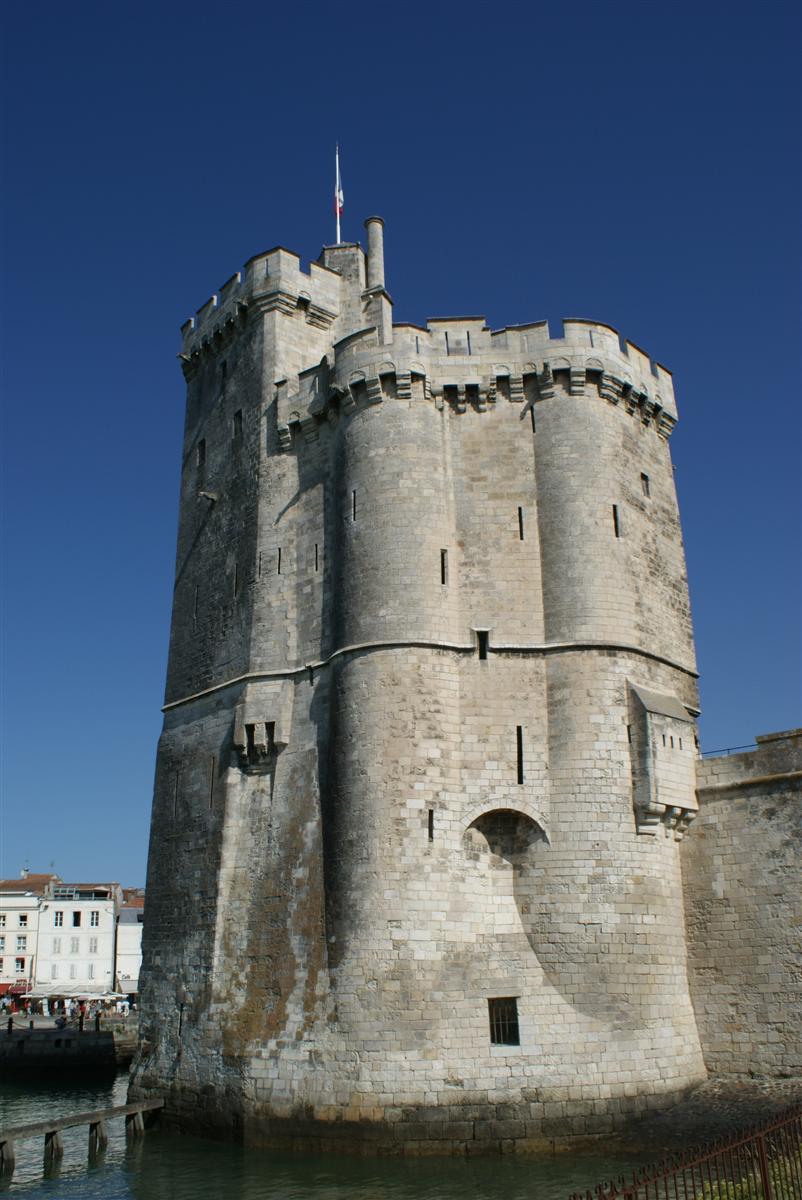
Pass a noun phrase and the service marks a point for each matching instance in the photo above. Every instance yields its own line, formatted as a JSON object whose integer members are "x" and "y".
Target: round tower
{"x": 460, "y": 755}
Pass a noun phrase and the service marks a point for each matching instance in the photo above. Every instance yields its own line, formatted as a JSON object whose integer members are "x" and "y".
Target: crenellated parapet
{"x": 269, "y": 282}
{"x": 460, "y": 363}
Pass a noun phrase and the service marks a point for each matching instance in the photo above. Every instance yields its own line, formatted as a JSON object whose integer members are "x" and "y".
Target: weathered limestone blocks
{"x": 414, "y": 870}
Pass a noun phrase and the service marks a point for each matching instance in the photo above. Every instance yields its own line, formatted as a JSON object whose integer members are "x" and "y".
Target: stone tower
{"x": 428, "y": 745}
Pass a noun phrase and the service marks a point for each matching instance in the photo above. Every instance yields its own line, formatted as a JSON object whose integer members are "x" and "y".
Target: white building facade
{"x": 20, "y": 901}
{"x": 129, "y": 947}
{"x": 77, "y": 940}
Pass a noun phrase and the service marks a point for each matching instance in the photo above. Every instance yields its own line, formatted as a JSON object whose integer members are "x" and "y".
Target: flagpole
{"x": 337, "y": 188}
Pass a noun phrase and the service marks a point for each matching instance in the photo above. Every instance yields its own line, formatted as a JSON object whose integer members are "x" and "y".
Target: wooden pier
{"x": 137, "y": 1117}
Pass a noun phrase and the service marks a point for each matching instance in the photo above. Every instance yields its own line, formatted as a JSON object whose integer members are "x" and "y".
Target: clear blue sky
{"x": 633, "y": 163}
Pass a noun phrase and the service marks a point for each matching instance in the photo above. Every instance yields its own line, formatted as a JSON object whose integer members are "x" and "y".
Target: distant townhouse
{"x": 20, "y": 903}
{"x": 77, "y": 939}
{"x": 129, "y": 940}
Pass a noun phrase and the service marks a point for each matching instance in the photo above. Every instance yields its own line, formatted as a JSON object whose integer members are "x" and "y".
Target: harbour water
{"x": 185, "y": 1168}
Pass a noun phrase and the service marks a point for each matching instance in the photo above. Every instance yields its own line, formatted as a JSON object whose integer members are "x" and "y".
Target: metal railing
{"x": 728, "y": 750}
{"x": 756, "y": 1164}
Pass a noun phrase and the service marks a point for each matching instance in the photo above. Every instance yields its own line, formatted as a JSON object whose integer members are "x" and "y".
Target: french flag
{"x": 339, "y": 199}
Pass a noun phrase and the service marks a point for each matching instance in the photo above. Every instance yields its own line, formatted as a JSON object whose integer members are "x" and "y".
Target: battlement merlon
{"x": 344, "y": 291}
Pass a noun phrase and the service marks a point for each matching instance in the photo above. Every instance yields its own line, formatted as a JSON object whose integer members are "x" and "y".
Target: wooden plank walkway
{"x": 96, "y": 1121}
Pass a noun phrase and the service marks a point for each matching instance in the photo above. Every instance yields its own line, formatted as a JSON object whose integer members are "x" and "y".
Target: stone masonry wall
{"x": 396, "y": 778}
{"x": 742, "y": 875}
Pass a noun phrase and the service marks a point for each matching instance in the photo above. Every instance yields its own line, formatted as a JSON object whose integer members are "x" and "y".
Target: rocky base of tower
{"x": 474, "y": 1126}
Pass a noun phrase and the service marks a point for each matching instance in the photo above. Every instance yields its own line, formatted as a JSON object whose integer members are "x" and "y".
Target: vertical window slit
{"x": 212, "y": 767}
{"x": 237, "y": 425}
{"x": 616, "y": 521}
{"x": 680, "y": 743}
{"x": 468, "y": 339}
{"x": 353, "y": 505}
{"x": 519, "y": 738}
{"x": 259, "y": 566}
{"x": 200, "y": 460}
{"x": 629, "y": 734}
{"x": 317, "y": 557}
{"x": 448, "y": 350}
{"x": 481, "y": 641}
{"x": 236, "y": 579}
{"x": 431, "y": 824}
{"x": 278, "y": 562}
{"x": 644, "y": 483}
{"x": 417, "y": 344}
{"x": 443, "y": 567}
{"x": 520, "y": 523}
{"x": 532, "y": 417}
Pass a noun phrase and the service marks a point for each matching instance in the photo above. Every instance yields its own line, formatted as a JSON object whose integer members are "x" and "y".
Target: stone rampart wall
{"x": 742, "y": 874}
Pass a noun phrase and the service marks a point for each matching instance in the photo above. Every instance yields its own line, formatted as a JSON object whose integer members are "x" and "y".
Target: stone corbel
{"x": 545, "y": 383}
{"x": 576, "y": 381}
{"x": 262, "y": 723}
{"x": 403, "y": 385}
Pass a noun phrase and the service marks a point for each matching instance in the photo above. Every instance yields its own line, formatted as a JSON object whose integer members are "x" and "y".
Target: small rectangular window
{"x": 482, "y": 636}
{"x": 54, "y": 971}
{"x": 236, "y": 425}
{"x": 353, "y": 506}
{"x": 443, "y": 567}
{"x": 22, "y": 942}
{"x": 2, "y": 920}
{"x": 90, "y": 971}
{"x": 75, "y": 944}
{"x": 2, "y": 943}
{"x": 616, "y": 521}
{"x": 19, "y": 966}
{"x": 73, "y": 971}
{"x": 23, "y": 920}
{"x": 519, "y": 738}
{"x": 94, "y": 918}
{"x": 57, "y": 945}
{"x": 58, "y": 919}
{"x": 76, "y": 919}
{"x": 644, "y": 482}
{"x": 278, "y": 562}
{"x": 503, "y": 1014}
{"x": 431, "y": 824}
{"x": 520, "y": 523}
{"x": 317, "y": 557}
{"x": 93, "y": 945}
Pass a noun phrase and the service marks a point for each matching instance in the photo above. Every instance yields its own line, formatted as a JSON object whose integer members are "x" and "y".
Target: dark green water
{"x": 164, "y": 1167}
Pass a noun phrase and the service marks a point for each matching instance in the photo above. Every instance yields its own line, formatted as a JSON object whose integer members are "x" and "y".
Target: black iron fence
{"x": 757, "y": 1164}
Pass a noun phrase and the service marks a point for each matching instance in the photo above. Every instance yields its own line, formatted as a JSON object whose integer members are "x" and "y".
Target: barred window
{"x": 503, "y": 1013}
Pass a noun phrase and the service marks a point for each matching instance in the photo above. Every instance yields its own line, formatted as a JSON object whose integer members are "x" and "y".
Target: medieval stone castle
{"x": 429, "y": 748}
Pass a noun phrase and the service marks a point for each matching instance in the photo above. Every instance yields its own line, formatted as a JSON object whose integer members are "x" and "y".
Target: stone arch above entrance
{"x": 524, "y": 807}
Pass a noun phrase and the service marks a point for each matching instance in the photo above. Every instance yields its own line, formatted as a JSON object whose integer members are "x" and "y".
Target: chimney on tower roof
{"x": 375, "y": 228}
